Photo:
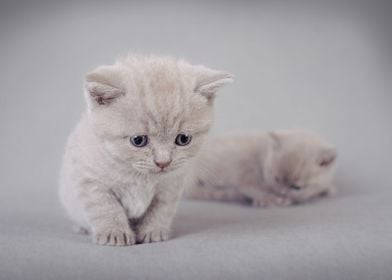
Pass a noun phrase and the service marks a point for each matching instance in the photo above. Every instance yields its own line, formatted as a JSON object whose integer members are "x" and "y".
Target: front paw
{"x": 271, "y": 200}
{"x": 114, "y": 237}
{"x": 152, "y": 235}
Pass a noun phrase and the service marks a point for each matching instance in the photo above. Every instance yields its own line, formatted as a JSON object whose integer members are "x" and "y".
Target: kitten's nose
{"x": 162, "y": 164}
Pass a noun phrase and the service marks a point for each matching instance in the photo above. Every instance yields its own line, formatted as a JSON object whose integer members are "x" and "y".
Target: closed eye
{"x": 295, "y": 187}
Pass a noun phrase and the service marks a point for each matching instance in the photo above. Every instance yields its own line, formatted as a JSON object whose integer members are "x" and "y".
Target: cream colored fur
{"x": 114, "y": 190}
{"x": 269, "y": 169}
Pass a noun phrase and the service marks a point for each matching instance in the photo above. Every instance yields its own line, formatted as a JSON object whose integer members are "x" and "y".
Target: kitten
{"x": 125, "y": 161}
{"x": 270, "y": 169}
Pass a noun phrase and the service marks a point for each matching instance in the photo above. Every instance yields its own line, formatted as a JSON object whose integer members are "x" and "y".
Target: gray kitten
{"x": 270, "y": 169}
{"x": 125, "y": 161}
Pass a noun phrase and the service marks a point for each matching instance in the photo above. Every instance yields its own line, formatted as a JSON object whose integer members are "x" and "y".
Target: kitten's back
{"x": 227, "y": 162}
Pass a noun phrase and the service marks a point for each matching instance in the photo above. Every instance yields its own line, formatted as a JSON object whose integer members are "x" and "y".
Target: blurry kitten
{"x": 270, "y": 169}
{"x": 125, "y": 161}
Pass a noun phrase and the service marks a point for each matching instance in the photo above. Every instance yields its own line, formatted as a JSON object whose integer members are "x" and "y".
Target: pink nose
{"x": 162, "y": 164}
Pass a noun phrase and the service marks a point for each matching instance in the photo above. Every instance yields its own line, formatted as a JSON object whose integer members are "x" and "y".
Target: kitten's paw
{"x": 271, "y": 201}
{"x": 284, "y": 201}
{"x": 152, "y": 235}
{"x": 114, "y": 237}
{"x": 261, "y": 203}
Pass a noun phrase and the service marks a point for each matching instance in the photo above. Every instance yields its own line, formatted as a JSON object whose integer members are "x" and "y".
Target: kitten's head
{"x": 302, "y": 164}
{"x": 152, "y": 113}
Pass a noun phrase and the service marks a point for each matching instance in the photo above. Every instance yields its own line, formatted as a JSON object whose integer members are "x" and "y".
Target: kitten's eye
{"x": 139, "y": 140}
{"x": 295, "y": 187}
{"x": 183, "y": 139}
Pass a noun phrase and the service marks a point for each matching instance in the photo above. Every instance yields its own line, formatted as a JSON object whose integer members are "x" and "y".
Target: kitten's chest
{"x": 135, "y": 197}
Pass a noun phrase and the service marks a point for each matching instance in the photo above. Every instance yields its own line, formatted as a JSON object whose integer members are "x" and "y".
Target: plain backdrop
{"x": 322, "y": 65}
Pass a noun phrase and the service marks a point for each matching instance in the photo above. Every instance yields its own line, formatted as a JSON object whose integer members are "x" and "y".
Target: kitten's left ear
{"x": 208, "y": 81}
{"x": 327, "y": 156}
{"x": 103, "y": 85}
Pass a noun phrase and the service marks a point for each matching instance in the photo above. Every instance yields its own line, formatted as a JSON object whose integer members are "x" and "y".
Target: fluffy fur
{"x": 120, "y": 193}
{"x": 269, "y": 169}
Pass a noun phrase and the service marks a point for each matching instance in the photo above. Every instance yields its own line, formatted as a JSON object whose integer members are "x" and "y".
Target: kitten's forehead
{"x": 161, "y": 97}
{"x": 297, "y": 164}
{"x": 165, "y": 103}
{"x": 174, "y": 118}
{"x": 158, "y": 120}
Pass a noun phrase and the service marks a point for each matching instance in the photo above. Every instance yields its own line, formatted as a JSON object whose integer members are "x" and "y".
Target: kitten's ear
{"x": 208, "y": 81}
{"x": 103, "y": 85}
{"x": 327, "y": 156}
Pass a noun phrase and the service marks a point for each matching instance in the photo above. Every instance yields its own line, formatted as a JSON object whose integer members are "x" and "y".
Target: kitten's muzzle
{"x": 162, "y": 164}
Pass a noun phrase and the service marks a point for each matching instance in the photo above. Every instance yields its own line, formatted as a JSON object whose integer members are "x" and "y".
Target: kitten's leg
{"x": 108, "y": 221}
{"x": 156, "y": 223}
{"x": 271, "y": 200}
{"x": 216, "y": 193}
{"x": 263, "y": 198}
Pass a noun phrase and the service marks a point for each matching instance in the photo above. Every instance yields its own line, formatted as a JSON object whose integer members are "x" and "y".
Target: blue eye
{"x": 183, "y": 139}
{"x": 139, "y": 140}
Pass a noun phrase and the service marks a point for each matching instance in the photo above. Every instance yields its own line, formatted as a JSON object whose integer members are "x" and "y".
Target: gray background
{"x": 323, "y": 65}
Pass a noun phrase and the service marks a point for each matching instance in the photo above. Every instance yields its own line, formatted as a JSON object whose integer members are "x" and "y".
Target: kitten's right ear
{"x": 208, "y": 81}
{"x": 327, "y": 156}
{"x": 103, "y": 85}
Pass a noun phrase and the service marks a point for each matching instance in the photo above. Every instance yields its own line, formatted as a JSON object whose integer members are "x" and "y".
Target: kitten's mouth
{"x": 161, "y": 171}
{"x": 166, "y": 170}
